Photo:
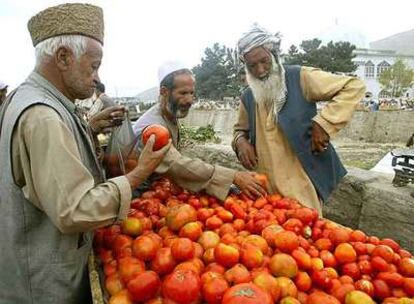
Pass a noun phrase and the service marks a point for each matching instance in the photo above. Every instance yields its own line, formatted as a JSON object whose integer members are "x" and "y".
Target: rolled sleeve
{"x": 220, "y": 182}
{"x": 125, "y": 195}
{"x": 342, "y": 93}
{"x": 241, "y": 127}
{"x": 196, "y": 175}
{"x": 329, "y": 128}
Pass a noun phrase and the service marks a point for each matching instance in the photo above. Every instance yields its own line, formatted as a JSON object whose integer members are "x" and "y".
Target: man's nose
{"x": 261, "y": 70}
{"x": 96, "y": 79}
{"x": 189, "y": 98}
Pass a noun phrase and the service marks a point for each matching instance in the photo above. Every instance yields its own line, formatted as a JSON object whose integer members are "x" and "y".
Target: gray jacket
{"x": 38, "y": 263}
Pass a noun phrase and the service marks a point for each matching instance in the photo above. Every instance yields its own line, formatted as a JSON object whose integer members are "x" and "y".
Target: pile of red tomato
{"x": 179, "y": 247}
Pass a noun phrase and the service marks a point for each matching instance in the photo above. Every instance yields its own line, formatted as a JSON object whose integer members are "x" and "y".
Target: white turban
{"x": 258, "y": 36}
{"x": 255, "y": 37}
{"x": 170, "y": 67}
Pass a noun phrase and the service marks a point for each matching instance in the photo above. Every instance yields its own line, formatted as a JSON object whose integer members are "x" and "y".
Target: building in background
{"x": 380, "y": 56}
{"x": 375, "y": 57}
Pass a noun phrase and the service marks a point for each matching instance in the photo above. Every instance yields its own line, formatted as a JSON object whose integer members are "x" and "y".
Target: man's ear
{"x": 64, "y": 58}
{"x": 164, "y": 91}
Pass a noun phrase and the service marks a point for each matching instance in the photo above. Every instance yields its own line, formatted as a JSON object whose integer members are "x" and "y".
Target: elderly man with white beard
{"x": 279, "y": 131}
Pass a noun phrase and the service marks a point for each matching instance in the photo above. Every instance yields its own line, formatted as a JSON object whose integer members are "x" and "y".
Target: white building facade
{"x": 371, "y": 63}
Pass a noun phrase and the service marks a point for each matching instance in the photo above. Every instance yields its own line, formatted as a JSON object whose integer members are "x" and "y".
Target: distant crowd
{"x": 388, "y": 104}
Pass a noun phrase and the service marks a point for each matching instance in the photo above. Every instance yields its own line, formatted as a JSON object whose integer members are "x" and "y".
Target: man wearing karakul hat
{"x": 279, "y": 132}
{"x": 52, "y": 189}
{"x": 175, "y": 100}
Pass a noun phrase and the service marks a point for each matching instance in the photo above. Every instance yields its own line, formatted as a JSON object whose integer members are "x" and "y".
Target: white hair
{"x": 270, "y": 91}
{"x": 266, "y": 90}
{"x": 48, "y": 47}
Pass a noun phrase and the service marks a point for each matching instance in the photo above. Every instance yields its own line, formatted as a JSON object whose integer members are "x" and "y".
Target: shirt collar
{"x": 44, "y": 83}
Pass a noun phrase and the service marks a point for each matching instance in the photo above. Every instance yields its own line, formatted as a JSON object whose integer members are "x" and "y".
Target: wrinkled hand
{"x": 147, "y": 163}
{"x": 108, "y": 118}
{"x": 246, "y": 153}
{"x": 320, "y": 139}
{"x": 248, "y": 184}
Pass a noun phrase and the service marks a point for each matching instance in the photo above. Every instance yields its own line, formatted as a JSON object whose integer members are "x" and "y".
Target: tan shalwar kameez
{"x": 276, "y": 157}
{"x": 190, "y": 173}
{"x": 47, "y": 166}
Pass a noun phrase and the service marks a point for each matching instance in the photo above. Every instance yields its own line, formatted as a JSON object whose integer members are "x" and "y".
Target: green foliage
{"x": 334, "y": 57}
{"x": 192, "y": 135}
{"x": 217, "y": 75}
{"x": 397, "y": 79}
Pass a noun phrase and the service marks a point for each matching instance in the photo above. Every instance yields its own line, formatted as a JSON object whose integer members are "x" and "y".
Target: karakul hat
{"x": 67, "y": 19}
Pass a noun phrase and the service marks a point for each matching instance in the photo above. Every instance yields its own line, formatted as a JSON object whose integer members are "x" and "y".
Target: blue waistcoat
{"x": 325, "y": 170}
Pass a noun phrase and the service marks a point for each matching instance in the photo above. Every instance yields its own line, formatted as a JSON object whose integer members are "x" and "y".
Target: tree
{"x": 397, "y": 79}
{"x": 333, "y": 57}
{"x": 217, "y": 75}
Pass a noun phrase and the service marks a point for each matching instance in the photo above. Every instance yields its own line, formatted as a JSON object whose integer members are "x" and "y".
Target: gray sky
{"x": 141, "y": 34}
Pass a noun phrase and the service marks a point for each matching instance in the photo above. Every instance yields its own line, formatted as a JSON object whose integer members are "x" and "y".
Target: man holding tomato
{"x": 52, "y": 189}
{"x": 177, "y": 87}
{"x": 279, "y": 132}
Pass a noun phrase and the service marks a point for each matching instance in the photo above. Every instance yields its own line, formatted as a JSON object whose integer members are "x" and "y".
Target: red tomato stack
{"x": 180, "y": 247}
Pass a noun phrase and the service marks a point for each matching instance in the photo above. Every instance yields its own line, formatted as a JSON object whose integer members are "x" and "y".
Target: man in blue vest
{"x": 279, "y": 131}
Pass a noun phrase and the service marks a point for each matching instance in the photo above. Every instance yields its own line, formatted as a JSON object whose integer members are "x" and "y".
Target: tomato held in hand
{"x": 162, "y": 135}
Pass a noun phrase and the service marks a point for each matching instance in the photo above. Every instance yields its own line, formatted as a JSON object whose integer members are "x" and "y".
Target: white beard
{"x": 270, "y": 91}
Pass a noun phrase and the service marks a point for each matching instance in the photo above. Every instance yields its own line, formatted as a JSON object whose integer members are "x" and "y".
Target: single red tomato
{"x": 237, "y": 274}
{"x": 162, "y": 135}
{"x": 144, "y": 286}
{"x": 214, "y": 289}
{"x": 182, "y": 286}
{"x": 182, "y": 249}
{"x": 163, "y": 263}
{"x": 145, "y": 248}
{"x": 226, "y": 255}
{"x": 128, "y": 267}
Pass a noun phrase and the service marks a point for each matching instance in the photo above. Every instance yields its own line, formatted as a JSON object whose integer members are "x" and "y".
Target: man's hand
{"x": 147, "y": 163}
{"x": 248, "y": 184}
{"x": 320, "y": 139}
{"x": 246, "y": 153}
{"x": 108, "y": 118}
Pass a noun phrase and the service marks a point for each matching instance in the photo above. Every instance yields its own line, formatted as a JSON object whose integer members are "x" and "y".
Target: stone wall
{"x": 379, "y": 127}
{"x": 368, "y": 201}
{"x": 364, "y": 200}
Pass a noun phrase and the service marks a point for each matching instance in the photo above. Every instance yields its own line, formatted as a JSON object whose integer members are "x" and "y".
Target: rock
{"x": 345, "y": 203}
{"x": 368, "y": 201}
{"x": 214, "y": 154}
{"x": 388, "y": 212}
